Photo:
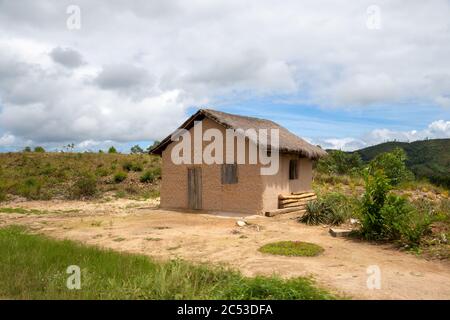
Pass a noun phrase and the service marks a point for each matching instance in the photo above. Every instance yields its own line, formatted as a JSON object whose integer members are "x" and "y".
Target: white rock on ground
{"x": 241, "y": 223}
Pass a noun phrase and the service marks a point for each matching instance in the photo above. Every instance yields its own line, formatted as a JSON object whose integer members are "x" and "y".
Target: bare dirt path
{"x": 134, "y": 226}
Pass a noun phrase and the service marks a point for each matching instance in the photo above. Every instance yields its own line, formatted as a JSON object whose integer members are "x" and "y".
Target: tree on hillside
{"x": 339, "y": 162}
{"x": 393, "y": 164}
{"x": 112, "y": 150}
{"x": 155, "y": 143}
{"x": 39, "y": 149}
{"x": 27, "y": 149}
{"x": 136, "y": 149}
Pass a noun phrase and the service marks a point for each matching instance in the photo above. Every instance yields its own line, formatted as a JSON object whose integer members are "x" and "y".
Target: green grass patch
{"x": 34, "y": 267}
{"x": 22, "y": 211}
{"x": 292, "y": 248}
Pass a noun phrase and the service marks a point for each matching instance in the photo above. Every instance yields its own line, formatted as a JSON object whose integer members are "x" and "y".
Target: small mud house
{"x": 233, "y": 186}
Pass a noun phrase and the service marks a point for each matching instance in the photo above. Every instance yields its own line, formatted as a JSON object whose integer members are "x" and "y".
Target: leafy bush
{"x": 39, "y": 149}
{"x": 120, "y": 176}
{"x": 29, "y": 188}
{"x": 84, "y": 186}
{"x": 136, "y": 149}
{"x": 2, "y": 193}
{"x": 132, "y": 166}
{"x": 332, "y": 208}
{"x": 27, "y": 149}
{"x": 127, "y": 166}
{"x": 389, "y": 217}
{"x": 340, "y": 162}
{"x": 112, "y": 150}
{"x": 102, "y": 172}
{"x": 137, "y": 167}
{"x": 393, "y": 164}
{"x": 377, "y": 188}
{"x": 147, "y": 177}
{"x": 150, "y": 176}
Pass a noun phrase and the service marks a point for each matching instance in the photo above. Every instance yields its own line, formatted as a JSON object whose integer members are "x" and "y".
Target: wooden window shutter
{"x": 229, "y": 174}
{"x": 293, "y": 175}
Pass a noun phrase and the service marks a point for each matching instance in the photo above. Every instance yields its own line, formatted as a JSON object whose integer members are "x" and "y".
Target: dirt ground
{"x": 139, "y": 227}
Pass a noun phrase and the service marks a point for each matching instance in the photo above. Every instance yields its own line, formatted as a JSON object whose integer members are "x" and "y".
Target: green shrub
{"x": 390, "y": 217}
{"x": 332, "y": 208}
{"x": 340, "y": 162}
{"x": 27, "y": 149}
{"x": 157, "y": 172}
{"x": 136, "y": 149}
{"x": 377, "y": 188}
{"x": 132, "y": 166}
{"x": 39, "y": 149}
{"x": 147, "y": 177}
{"x": 30, "y": 188}
{"x": 137, "y": 167}
{"x": 393, "y": 165}
{"x": 150, "y": 176}
{"x": 2, "y": 193}
{"x": 112, "y": 150}
{"x": 84, "y": 186}
{"x": 120, "y": 176}
{"x": 127, "y": 166}
{"x": 101, "y": 172}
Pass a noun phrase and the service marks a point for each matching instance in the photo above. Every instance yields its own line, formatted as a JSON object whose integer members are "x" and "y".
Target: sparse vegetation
{"x": 292, "y": 248}
{"x": 21, "y": 211}
{"x": 84, "y": 186}
{"x": 67, "y": 175}
{"x": 331, "y": 208}
{"x": 34, "y": 267}
{"x": 427, "y": 159}
{"x": 119, "y": 176}
{"x": 150, "y": 176}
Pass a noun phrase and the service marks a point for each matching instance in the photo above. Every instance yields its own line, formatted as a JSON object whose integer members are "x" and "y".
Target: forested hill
{"x": 427, "y": 158}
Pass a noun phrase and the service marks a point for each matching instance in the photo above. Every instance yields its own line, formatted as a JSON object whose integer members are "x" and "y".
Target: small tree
{"x": 339, "y": 162}
{"x": 27, "y": 149}
{"x": 155, "y": 143}
{"x": 387, "y": 216}
{"x": 377, "y": 188}
{"x": 393, "y": 164}
{"x": 136, "y": 149}
{"x": 39, "y": 149}
{"x": 112, "y": 150}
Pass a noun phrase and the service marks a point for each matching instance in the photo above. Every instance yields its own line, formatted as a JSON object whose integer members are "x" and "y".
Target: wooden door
{"x": 195, "y": 188}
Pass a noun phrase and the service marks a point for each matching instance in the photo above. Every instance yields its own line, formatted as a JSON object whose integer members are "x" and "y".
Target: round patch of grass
{"x": 292, "y": 248}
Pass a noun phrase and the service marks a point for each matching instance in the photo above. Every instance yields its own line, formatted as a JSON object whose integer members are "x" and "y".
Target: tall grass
{"x": 34, "y": 267}
{"x": 330, "y": 208}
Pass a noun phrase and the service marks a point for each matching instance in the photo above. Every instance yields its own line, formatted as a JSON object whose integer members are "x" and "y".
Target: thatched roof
{"x": 289, "y": 142}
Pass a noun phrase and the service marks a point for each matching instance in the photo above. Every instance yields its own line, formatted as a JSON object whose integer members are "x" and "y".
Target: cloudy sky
{"x": 338, "y": 73}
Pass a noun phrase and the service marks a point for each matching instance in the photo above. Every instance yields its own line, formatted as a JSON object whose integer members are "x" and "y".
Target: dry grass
{"x": 43, "y": 176}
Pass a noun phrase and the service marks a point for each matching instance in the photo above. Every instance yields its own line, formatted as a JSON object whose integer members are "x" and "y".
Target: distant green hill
{"x": 427, "y": 158}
